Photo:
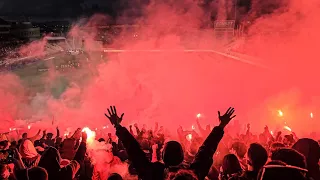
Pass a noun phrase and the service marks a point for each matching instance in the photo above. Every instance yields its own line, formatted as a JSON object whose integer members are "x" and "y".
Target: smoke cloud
{"x": 171, "y": 86}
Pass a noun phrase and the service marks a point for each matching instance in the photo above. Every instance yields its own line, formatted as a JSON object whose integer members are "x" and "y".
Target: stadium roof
{"x": 3, "y": 22}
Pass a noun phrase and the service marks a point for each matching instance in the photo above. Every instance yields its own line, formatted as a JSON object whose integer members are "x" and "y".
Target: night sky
{"x": 76, "y": 8}
{"x": 63, "y": 8}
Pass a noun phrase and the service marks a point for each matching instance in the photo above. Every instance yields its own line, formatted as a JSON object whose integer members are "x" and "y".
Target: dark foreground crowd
{"x": 147, "y": 154}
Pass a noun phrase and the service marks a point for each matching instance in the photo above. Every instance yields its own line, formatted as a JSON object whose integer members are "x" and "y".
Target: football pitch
{"x": 56, "y": 73}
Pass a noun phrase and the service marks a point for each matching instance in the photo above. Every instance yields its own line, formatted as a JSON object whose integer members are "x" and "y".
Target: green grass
{"x": 36, "y": 81}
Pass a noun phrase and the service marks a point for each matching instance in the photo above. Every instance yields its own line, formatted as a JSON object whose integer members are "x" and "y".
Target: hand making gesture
{"x": 113, "y": 116}
{"x": 226, "y": 118}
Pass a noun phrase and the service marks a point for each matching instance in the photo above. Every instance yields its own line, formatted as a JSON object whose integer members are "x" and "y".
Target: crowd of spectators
{"x": 141, "y": 153}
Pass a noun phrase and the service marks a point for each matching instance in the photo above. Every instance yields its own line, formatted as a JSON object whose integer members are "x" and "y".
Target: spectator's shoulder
{"x": 74, "y": 165}
{"x": 71, "y": 169}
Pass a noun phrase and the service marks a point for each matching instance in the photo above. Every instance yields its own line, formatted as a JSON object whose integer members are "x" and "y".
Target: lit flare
{"x": 189, "y": 137}
{"x": 287, "y": 128}
{"x": 90, "y": 134}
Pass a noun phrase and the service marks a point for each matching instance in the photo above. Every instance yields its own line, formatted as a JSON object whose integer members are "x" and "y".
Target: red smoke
{"x": 173, "y": 87}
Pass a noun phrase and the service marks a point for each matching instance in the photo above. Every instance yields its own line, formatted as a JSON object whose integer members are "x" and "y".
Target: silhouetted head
{"x": 231, "y": 164}
{"x": 49, "y": 136}
{"x": 275, "y": 146}
{"x": 290, "y": 157}
{"x": 115, "y": 176}
{"x": 240, "y": 148}
{"x": 24, "y": 135}
{"x": 38, "y": 173}
{"x": 288, "y": 140}
{"x": 35, "y": 173}
{"x": 4, "y": 145}
{"x": 172, "y": 154}
{"x": 257, "y": 156}
{"x": 101, "y": 140}
{"x": 183, "y": 175}
{"x": 310, "y": 149}
{"x": 278, "y": 170}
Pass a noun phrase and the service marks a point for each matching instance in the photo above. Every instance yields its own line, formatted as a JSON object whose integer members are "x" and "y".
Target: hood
{"x": 50, "y": 160}
{"x": 309, "y": 148}
{"x": 280, "y": 172}
{"x": 27, "y": 149}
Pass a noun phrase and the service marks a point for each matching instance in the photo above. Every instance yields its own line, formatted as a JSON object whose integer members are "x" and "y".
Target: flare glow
{"x": 91, "y": 134}
{"x": 287, "y": 128}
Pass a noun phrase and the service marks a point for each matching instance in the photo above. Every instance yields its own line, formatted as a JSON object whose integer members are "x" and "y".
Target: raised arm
{"x": 131, "y": 131}
{"x": 44, "y": 133}
{"x": 203, "y": 160}
{"x": 33, "y": 138}
{"x": 202, "y": 131}
{"x": 137, "y": 129}
{"x": 58, "y": 133}
{"x": 135, "y": 153}
{"x": 156, "y": 128}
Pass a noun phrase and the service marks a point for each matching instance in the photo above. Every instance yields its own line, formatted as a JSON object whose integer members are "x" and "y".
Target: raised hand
{"x": 226, "y": 118}
{"x": 84, "y": 136}
{"x": 113, "y": 116}
{"x": 77, "y": 134}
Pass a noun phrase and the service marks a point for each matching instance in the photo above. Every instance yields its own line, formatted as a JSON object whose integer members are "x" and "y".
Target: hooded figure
{"x": 51, "y": 160}
{"x": 311, "y": 150}
{"x": 30, "y": 156}
{"x": 278, "y": 170}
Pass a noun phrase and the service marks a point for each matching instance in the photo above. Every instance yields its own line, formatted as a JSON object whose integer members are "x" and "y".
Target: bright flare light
{"x": 287, "y": 128}
{"x": 90, "y": 134}
{"x": 271, "y": 132}
{"x": 198, "y": 115}
{"x": 280, "y": 113}
{"x": 189, "y": 137}
{"x": 192, "y": 127}
{"x": 66, "y": 134}
{"x": 29, "y": 126}
{"x": 311, "y": 115}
